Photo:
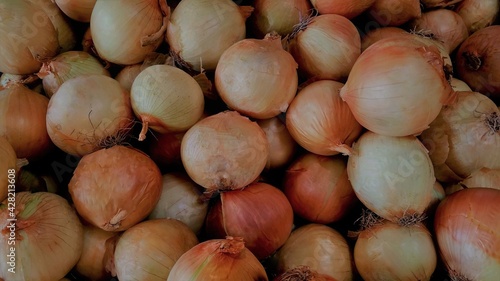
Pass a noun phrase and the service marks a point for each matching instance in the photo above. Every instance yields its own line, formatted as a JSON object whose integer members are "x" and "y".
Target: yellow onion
{"x": 48, "y": 237}
{"x": 439, "y": 3}
{"x": 487, "y": 178}
{"x": 115, "y": 188}
{"x": 394, "y": 12}
{"x": 127, "y": 75}
{"x": 391, "y": 176}
{"x": 256, "y": 77}
{"x": 201, "y": 30}
{"x": 308, "y": 42}
{"x": 22, "y": 121}
{"x": 319, "y": 247}
{"x": 478, "y": 14}
{"x": 282, "y": 147}
{"x": 28, "y": 37}
{"x": 88, "y": 113}
{"x": 148, "y": 251}
{"x": 224, "y": 151}
{"x": 181, "y": 199}
{"x": 165, "y": 149}
{"x": 468, "y": 234}
{"x": 8, "y": 165}
{"x": 278, "y": 16}
{"x": 124, "y": 32}
{"x": 382, "y": 33}
{"x": 393, "y": 77}
{"x": 218, "y": 260}
{"x": 320, "y": 121}
{"x": 318, "y": 188}
{"x": 346, "y": 8}
{"x": 388, "y": 251}
{"x": 166, "y": 99}
{"x": 66, "y": 66}
{"x": 459, "y": 85}
{"x": 79, "y": 10}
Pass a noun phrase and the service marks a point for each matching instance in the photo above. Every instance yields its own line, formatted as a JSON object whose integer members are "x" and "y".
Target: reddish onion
{"x": 278, "y": 15}
{"x": 346, "y": 8}
{"x": 394, "y": 12}
{"x": 282, "y": 146}
{"x": 478, "y": 14}
{"x": 165, "y": 149}
{"x": 468, "y": 234}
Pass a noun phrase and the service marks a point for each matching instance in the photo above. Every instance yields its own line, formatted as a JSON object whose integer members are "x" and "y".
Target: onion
{"x": 320, "y": 121}
{"x": 382, "y": 33}
{"x": 87, "y": 113}
{"x": 181, "y": 199}
{"x": 478, "y": 14}
{"x": 388, "y": 251}
{"x": 218, "y": 260}
{"x": 464, "y": 138}
{"x": 278, "y": 16}
{"x": 165, "y": 150}
{"x": 468, "y": 234}
{"x": 224, "y": 151}
{"x": 22, "y": 121}
{"x": 393, "y": 77}
{"x": 319, "y": 247}
{"x": 257, "y": 77}
{"x": 478, "y": 62}
{"x": 459, "y": 85}
{"x": 303, "y": 273}
{"x": 260, "y": 214}
{"x": 149, "y": 250}
{"x": 115, "y": 197}
{"x": 394, "y": 12}
{"x": 282, "y": 147}
{"x": 309, "y": 38}
{"x": 391, "y": 176}
{"x": 28, "y": 37}
{"x": 124, "y": 32}
{"x": 8, "y": 165}
{"x": 127, "y": 75}
{"x": 166, "y": 99}
{"x": 318, "y": 188}
{"x": 47, "y": 235}
{"x": 79, "y": 10}
{"x": 346, "y": 8}
{"x": 487, "y": 178}
{"x": 201, "y": 30}
{"x": 66, "y": 66}
{"x": 439, "y": 3}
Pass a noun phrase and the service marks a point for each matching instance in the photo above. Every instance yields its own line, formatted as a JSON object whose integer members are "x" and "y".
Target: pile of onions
{"x": 478, "y": 14}
{"x": 282, "y": 146}
{"x": 200, "y": 31}
{"x": 224, "y": 151}
{"x": 125, "y": 32}
{"x": 79, "y": 10}
{"x": 260, "y": 214}
{"x": 278, "y": 16}
{"x": 149, "y": 250}
{"x": 395, "y": 76}
{"x": 87, "y": 113}
{"x": 114, "y": 196}
{"x": 391, "y": 176}
{"x": 468, "y": 234}
{"x": 388, "y": 251}
{"x": 346, "y": 8}
{"x": 166, "y": 99}
{"x": 48, "y": 237}
{"x": 464, "y": 138}
{"x": 321, "y": 248}
{"x": 29, "y": 37}
{"x": 181, "y": 199}
{"x": 165, "y": 149}
{"x": 318, "y": 188}
{"x": 22, "y": 121}
{"x": 218, "y": 260}
{"x": 478, "y": 62}
{"x": 394, "y": 12}
{"x": 256, "y": 77}
{"x": 320, "y": 121}
{"x": 8, "y": 163}
{"x": 127, "y": 75}
{"x": 66, "y": 66}
{"x": 307, "y": 46}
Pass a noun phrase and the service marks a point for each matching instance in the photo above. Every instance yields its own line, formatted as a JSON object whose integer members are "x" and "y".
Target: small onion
{"x": 224, "y": 151}
{"x": 346, "y": 8}
{"x": 278, "y": 15}
{"x": 257, "y": 77}
{"x": 478, "y": 14}
{"x": 320, "y": 121}
{"x": 282, "y": 146}
{"x": 318, "y": 188}
{"x": 136, "y": 180}
{"x": 79, "y": 10}
{"x": 8, "y": 165}
{"x": 394, "y": 12}
{"x": 149, "y": 250}
{"x": 165, "y": 149}
{"x": 468, "y": 234}
{"x": 459, "y": 85}
{"x": 392, "y": 176}
{"x": 382, "y": 33}
{"x": 127, "y": 75}
{"x": 218, "y": 260}
{"x": 319, "y": 247}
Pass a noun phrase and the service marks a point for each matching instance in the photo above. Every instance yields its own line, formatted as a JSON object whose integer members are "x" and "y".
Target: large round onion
{"x": 278, "y": 15}
{"x": 468, "y": 234}
{"x": 115, "y": 188}
{"x": 48, "y": 237}
{"x": 8, "y": 165}
{"x": 346, "y": 8}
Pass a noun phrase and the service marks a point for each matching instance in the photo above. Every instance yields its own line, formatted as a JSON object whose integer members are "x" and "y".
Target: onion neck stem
{"x": 144, "y": 130}
{"x": 493, "y": 122}
{"x": 472, "y": 60}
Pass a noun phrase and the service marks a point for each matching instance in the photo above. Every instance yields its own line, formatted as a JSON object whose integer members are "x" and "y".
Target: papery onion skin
{"x": 8, "y": 165}
{"x": 484, "y": 178}
{"x": 346, "y": 8}
{"x": 224, "y": 151}
{"x": 302, "y": 273}
{"x": 468, "y": 234}
{"x": 218, "y": 260}
{"x": 149, "y": 250}
{"x": 388, "y": 251}
{"x": 382, "y": 33}
{"x": 459, "y": 85}
{"x": 48, "y": 235}
{"x": 394, "y": 12}
{"x": 478, "y": 14}
{"x": 115, "y": 188}
{"x": 79, "y": 10}
{"x": 127, "y": 75}
{"x": 439, "y": 3}
{"x": 278, "y": 15}
{"x": 282, "y": 147}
